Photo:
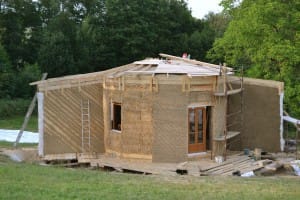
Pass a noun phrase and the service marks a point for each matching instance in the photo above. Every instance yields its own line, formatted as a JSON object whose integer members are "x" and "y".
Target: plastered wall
{"x": 261, "y": 114}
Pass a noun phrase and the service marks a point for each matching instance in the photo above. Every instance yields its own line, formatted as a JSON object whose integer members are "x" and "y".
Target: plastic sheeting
{"x": 291, "y": 119}
{"x": 296, "y": 166}
{"x": 11, "y": 135}
{"x": 248, "y": 174}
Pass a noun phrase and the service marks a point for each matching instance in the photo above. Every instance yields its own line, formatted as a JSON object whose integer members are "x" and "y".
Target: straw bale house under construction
{"x": 164, "y": 110}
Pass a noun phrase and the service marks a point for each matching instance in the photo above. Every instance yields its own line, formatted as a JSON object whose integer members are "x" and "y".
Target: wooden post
{"x": 28, "y": 114}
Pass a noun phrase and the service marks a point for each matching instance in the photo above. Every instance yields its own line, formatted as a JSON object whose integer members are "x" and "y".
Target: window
{"x": 116, "y": 116}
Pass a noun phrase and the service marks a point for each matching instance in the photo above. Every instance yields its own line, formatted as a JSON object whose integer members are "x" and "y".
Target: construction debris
{"x": 296, "y": 166}
{"x": 233, "y": 166}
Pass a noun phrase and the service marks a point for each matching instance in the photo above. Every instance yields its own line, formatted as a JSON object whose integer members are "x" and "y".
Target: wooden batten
{"x": 136, "y": 156}
{"x": 196, "y": 62}
{"x": 62, "y": 114}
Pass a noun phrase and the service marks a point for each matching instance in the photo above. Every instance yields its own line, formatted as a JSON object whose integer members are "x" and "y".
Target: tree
{"x": 202, "y": 39}
{"x": 6, "y": 74}
{"x": 139, "y": 29}
{"x": 264, "y": 36}
{"x": 20, "y": 22}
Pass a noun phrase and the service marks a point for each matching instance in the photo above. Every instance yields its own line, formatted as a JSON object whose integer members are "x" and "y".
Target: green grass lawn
{"x": 9, "y": 145}
{"x": 17, "y": 121}
{"x": 30, "y": 181}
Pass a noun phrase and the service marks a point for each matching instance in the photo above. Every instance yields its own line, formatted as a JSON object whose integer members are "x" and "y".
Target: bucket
{"x": 219, "y": 159}
{"x": 246, "y": 151}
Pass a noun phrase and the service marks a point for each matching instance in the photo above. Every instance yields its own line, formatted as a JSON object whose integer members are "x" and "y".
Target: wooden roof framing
{"x": 173, "y": 65}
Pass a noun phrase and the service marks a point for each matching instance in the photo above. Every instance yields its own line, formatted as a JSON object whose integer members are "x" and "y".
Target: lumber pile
{"x": 234, "y": 166}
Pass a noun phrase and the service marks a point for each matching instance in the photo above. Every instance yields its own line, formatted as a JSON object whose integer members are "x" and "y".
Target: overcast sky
{"x": 202, "y": 7}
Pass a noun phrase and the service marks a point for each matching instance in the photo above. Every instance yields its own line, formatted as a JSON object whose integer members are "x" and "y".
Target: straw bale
{"x": 170, "y": 124}
{"x": 136, "y": 134}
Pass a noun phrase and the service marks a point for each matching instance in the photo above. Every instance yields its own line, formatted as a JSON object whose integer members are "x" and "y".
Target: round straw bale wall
{"x": 154, "y": 120}
{"x": 62, "y": 119}
{"x": 135, "y": 137}
{"x": 112, "y": 138}
{"x": 170, "y": 118}
{"x": 137, "y": 122}
{"x": 218, "y": 123}
{"x": 170, "y": 142}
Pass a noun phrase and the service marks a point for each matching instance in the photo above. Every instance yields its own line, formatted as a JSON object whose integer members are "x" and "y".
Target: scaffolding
{"x": 231, "y": 86}
{"x": 291, "y": 144}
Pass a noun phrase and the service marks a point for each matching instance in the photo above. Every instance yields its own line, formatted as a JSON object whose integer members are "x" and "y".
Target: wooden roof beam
{"x": 195, "y": 62}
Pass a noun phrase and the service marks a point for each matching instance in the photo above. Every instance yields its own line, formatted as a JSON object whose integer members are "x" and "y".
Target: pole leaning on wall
{"x": 28, "y": 114}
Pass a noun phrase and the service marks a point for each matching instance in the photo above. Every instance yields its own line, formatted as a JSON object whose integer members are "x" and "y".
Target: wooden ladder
{"x": 85, "y": 126}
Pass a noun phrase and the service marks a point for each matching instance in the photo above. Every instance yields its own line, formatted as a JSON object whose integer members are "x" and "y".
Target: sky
{"x": 202, "y": 7}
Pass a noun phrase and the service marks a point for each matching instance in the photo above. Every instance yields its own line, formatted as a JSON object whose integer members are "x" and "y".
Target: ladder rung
{"x": 85, "y": 123}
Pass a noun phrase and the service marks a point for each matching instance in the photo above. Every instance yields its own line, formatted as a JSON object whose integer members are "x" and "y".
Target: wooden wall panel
{"x": 62, "y": 120}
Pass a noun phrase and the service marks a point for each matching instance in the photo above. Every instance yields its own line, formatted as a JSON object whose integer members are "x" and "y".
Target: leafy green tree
{"x": 55, "y": 55}
{"x": 6, "y": 74}
{"x": 139, "y": 29}
{"x": 78, "y": 36}
{"x": 201, "y": 40}
{"x": 263, "y": 35}
{"x": 19, "y": 21}
{"x": 21, "y": 87}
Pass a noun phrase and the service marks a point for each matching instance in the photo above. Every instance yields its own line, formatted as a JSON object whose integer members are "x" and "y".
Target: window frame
{"x": 116, "y": 117}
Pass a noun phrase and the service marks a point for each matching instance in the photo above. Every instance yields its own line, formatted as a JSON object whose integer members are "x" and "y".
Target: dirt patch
{"x": 21, "y": 155}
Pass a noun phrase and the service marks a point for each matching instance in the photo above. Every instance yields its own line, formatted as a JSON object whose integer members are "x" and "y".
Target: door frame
{"x": 197, "y": 147}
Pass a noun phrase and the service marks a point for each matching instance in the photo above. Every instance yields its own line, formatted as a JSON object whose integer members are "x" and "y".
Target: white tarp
{"x": 11, "y": 135}
{"x": 248, "y": 174}
{"x": 296, "y": 166}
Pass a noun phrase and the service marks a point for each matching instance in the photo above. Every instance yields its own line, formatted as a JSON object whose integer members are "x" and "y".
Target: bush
{"x": 15, "y": 107}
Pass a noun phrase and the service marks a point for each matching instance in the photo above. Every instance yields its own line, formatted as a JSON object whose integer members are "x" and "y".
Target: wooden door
{"x": 197, "y": 130}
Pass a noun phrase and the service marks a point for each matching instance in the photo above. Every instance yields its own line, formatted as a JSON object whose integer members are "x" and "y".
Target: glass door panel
{"x": 192, "y": 128}
{"x": 197, "y": 129}
{"x": 200, "y": 125}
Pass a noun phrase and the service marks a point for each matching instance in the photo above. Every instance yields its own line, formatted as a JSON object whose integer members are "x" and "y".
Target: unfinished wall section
{"x": 112, "y": 138}
{"x": 62, "y": 119}
{"x": 203, "y": 97}
{"x": 170, "y": 113}
{"x": 218, "y": 124}
{"x": 134, "y": 93}
{"x": 261, "y": 114}
{"x": 170, "y": 124}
